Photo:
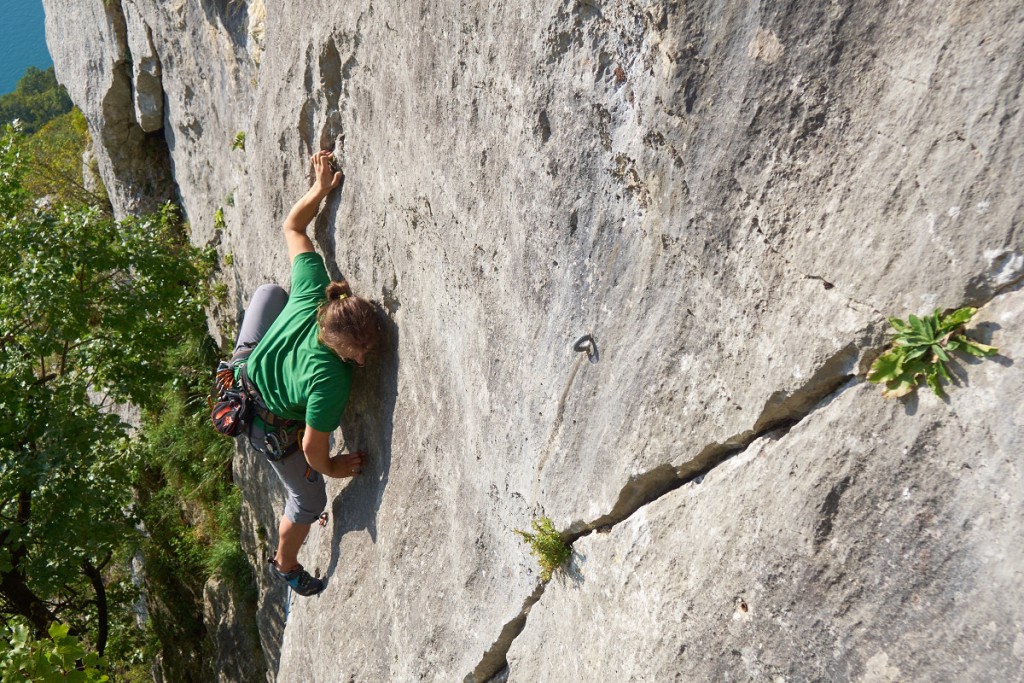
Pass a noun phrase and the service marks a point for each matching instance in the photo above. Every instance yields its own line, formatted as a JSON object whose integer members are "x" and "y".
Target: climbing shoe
{"x": 299, "y": 579}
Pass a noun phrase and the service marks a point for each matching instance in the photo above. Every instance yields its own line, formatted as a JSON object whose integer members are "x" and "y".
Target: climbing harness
{"x": 277, "y": 437}
{"x": 239, "y": 406}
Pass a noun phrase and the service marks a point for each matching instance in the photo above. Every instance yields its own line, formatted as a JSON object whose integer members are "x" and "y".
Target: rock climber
{"x": 294, "y": 356}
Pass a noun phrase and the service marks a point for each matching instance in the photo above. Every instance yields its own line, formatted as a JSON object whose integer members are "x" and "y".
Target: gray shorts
{"x": 307, "y": 491}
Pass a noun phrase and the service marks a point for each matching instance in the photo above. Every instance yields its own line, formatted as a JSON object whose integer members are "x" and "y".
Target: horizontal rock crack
{"x": 781, "y": 412}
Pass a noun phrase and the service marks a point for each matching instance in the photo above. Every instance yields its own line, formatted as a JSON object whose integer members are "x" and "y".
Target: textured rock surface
{"x": 888, "y": 552}
{"x": 90, "y": 45}
{"x": 147, "y": 89}
{"x": 729, "y": 197}
{"x": 234, "y": 633}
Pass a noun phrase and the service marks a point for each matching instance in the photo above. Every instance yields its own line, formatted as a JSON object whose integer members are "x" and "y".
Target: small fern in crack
{"x": 920, "y": 351}
{"x": 546, "y": 545}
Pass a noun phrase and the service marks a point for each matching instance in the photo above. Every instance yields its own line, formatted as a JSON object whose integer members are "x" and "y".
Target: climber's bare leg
{"x": 290, "y": 536}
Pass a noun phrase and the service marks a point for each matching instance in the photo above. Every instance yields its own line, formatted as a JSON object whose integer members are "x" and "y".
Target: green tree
{"x": 37, "y": 98}
{"x": 59, "y": 657}
{"x": 56, "y": 169}
{"x": 88, "y": 309}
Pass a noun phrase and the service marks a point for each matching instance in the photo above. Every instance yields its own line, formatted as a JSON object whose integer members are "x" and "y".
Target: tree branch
{"x": 96, "y": 578}
{"x": 12, "y": 582}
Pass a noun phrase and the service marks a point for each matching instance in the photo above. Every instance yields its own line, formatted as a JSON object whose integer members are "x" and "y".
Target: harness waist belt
{"x": 260, "y": 406}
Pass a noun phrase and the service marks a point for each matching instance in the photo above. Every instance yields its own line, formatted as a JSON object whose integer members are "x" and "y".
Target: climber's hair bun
{"x": 338, "y": 290}
{"x": 348, "y": 323}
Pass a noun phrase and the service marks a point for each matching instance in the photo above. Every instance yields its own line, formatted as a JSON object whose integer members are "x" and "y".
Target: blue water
{"x": 22, "y": 40}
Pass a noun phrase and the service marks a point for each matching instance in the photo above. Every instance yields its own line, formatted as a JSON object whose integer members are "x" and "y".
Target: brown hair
{"x": 347, "y": 323}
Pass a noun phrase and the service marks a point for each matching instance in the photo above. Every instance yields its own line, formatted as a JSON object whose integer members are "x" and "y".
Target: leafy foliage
{"x": 546, "y": 545}
{"x": 55, "y": 169}
{"x": 37, "y": 98}
{"x": 192, "y": 461}
{"x": 95, "y": 313}
{"x": 239, "y": 141}
{"x": 59, "y": 657}
{"x": 88, "y": 309}
{"x": 920, "y": 351}
{"x": 56, "y": 137}
{"x": 191, "y": 511}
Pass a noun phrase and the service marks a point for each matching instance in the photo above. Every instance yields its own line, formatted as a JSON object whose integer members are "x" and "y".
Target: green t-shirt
{"x": 298, "y": 377}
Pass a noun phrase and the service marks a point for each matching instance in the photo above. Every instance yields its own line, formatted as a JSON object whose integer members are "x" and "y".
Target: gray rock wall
{"x": 730, "y": 198}
{"x": 90, "y": 45}
{"x": 873, "y": 541}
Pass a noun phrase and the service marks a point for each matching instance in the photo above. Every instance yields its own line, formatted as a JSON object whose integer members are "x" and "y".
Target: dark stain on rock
{"x": 690, "y": 90}
{"x": 543, "y": 127}
{"x": 330, "y": 72}
{"x": 827, "y": 512}
{"x": 233, "y": 16}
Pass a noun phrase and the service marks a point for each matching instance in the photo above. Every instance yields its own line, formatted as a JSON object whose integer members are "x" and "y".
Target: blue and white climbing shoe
{"x": 299, "y": 579}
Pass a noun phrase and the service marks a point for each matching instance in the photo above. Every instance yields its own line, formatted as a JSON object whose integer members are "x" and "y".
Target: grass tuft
{"x": 547, "y": 546}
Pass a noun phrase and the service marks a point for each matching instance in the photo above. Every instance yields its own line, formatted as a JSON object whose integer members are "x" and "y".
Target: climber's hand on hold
{"x": 295, "y": 223}
{"x": 325, "y": 178}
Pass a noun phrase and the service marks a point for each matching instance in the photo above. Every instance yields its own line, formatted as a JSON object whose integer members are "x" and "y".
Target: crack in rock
{"x": 495, "y": 659}
{"x": 781, "y": 412}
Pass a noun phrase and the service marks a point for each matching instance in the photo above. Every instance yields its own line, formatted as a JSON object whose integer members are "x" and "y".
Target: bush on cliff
{"x": 191, "y": 512}
{"x": 56, "y": 169}
{"x": 547, "y": 546}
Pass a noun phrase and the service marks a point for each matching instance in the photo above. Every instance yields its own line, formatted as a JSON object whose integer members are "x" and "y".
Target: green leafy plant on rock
{"x": 546, "y": 545}
{"x": 218, "y": 219}
{"x": 920, "y": 351}
{"x": 239, "y": 141}
{"x": 219, "y": 292}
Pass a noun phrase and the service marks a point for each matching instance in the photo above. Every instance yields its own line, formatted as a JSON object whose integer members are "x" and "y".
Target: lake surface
{"x": 22, "y": 40}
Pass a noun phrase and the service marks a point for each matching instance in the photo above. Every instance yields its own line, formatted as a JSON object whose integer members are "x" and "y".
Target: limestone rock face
{"x": 91, "y": 50}
{"x": 888, "y": 552}
{"x": 233, "y": 633}
{"x": 147, "y": 89}
{"x": 730, "y": 198}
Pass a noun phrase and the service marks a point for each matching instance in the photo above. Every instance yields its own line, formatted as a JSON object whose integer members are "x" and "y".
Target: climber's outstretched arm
{"x": 324, "y": 180}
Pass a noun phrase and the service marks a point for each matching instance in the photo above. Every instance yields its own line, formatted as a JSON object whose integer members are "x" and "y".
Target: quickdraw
{"x": 233, "y": 407}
